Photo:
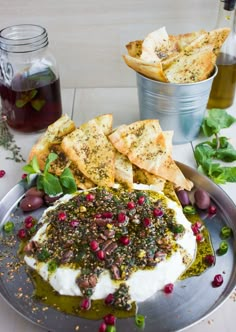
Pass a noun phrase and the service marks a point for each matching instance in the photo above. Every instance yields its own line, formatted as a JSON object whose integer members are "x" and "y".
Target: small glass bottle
{"x": 223, "y": 87}
{"x": 29, "y": 79}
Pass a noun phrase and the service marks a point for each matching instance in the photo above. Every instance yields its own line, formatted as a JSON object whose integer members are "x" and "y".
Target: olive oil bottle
{"x": 224, "y": 84}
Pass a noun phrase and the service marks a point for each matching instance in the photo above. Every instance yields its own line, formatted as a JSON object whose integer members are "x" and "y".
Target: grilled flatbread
{"x": 143, "y": 142}
{"x": 142, "y": 176}
{"x": 123, "y": 170}
{"x": 52, "y": 138}
{"x": 90, "y": 150}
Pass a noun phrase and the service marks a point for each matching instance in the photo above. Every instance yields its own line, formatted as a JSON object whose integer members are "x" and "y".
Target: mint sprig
{"x": 51, "y": 184}
{"x": 210, "y": 154}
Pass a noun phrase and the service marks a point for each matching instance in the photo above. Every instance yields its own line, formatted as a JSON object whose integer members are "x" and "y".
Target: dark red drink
{"x": 32, "y": 109}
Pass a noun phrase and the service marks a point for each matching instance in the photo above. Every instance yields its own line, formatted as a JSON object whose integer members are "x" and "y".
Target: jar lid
{"x": 229, "y": 4}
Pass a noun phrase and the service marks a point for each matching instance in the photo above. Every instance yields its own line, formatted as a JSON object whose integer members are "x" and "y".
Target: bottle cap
{"x": 229, "y": 4}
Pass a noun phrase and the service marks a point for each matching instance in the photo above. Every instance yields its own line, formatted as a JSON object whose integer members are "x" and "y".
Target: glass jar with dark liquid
{"x": 29, "y": 79}
{"x": 223, "y": 88}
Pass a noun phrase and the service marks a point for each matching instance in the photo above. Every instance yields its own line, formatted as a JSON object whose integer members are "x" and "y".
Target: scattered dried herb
{"x": 8, "y": 142}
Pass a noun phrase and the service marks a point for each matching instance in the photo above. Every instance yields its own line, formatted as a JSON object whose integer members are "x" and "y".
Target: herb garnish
{"x": 51, "y": 184}
{"x": 7, "y": 141}
{"x": 209, "y": 152}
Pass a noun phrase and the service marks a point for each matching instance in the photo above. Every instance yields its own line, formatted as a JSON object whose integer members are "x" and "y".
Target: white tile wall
{"x": 88, "y": 37}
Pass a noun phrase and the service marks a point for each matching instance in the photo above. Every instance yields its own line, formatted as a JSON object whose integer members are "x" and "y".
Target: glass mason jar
{"x": 29, "y": 79}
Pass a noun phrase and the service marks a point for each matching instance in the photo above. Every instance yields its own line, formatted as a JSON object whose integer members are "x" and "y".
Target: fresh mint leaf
{"x": 230, "y": 174}
{"x": 67, "y": 181}
{"x": 38, "y": 104}
{"x": 51, "y": 157}
{"x": 216, "y": 120}
{"x": 227, "y": 155}
{"x": 51, "y": 185}
{"x": 32, "y": 167}
{"x": 29, "y": 169}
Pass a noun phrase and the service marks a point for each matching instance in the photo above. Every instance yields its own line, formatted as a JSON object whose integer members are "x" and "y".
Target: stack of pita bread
{"x": 99, "y": 155}
{"x": 184, "y": 58}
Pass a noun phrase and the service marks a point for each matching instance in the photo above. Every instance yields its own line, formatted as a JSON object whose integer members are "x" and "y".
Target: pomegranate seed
{"x": 94, "y": 245}
{"x": 195, "y": 229}
{"x": 210, "y": 259}
{"x": 124, "y": 240}
{"x": 109, "y": 299}
{"x": 62, "y": 216}
{"x": 217, "y": 281}
{"x": 107, "y": 215}
{"x": 102, "y": 327}
{"x": 98, "y": 216}
{"x": 109, "y": 319}
{"x": 85, "y": 304}
{"x": 212, "y": 209}
{"x": 22, "y": 234}
{"x": 101, "y": 255}
{"x": 90, "y": 197}
{"x": 74, "y": 223}
{"x": 146, "y": 222}
{"x": 24, "y": 176}
{"x": 168, "y": 288}
{"x": 130, "y": 205}
{"x": 157, "y": 213}
{"x": 121, "y": 217}
{"x": 28, "y": 219}
{"x": 199, "y": 237}
{"x": 141, "y": 200}
{"x": 2, "y": 173}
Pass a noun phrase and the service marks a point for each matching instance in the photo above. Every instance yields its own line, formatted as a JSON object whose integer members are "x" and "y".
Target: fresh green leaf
{"x": 67, "y": 181}
{"x": 227, "y": 155}
{"x": 51, "y": 184}
{"x": 38, "y": 104}
{"x": 39, "y": 182}
{"x": 230, "y": 174}
{"x": 21, "y": 103}
{"x": 29, "y": 169}
{"x": 51, "y": 157}
{"x": 217, "y": 119}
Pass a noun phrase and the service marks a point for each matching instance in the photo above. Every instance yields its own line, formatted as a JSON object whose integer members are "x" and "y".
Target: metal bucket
{"x": 178, "y": 107}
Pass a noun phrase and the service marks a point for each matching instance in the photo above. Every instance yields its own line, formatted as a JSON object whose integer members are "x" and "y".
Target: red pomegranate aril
{"x": 90, "y": 197}
{"x": 109, "y": 319}
{"x": 141, "y": 200}
{"x": 210, "y": 260}
{"x": 2, "y": 173}
{"x": 212, "y": 209}
{"x": 94, "y": 245}
{"x": 146, "y": 222}
{"x": 109, "y": 299}
{"x": 28, "y": 219}
{"x": 74, "y": 223}
{"x": 157, "y": 213}
{"x": 101, "y": 255}
{"x": 195, "y": 229}
{"x": 107, "y": 215}
{"x": 217, "y": 281}
{"x": 124, "y": 239}
{"x": 130, "y": 205}
{"x": 102, "y": 327}
{"x": 62, "y": 216}
{"x": 168, "y": 288}
{"x": 121, "y": 217}
{"x": 85, "y": 304}
{"x": 22, "y": 234}
{"x": 23, "y": 176}
{"x": 199, "y": 237}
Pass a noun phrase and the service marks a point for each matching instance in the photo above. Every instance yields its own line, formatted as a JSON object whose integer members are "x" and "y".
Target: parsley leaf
{"x": 208, "y": 153}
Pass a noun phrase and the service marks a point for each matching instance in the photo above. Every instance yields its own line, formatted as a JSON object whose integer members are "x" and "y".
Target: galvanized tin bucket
{"x": 178, "y": 107}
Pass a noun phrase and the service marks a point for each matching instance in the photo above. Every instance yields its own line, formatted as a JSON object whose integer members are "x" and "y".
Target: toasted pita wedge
{"x": 81, "y": 180}
{"x": 143, "y": 142}
{"x": 215, "y": 38}
{"x": 192, "y": 66}
{"x": 123, "y": 170}
{"x": 52, "y": 136}
{"x": 182, "y": 40}
{"x": 134, "y": 48}
{"x": 144, "y": 177}
{"x": 151, "y": 70}
{"x": 90, "y": 150}
{"x": 104, "y": 121}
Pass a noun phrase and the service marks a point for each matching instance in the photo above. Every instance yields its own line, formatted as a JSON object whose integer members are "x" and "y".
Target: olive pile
{"x": 34, "y": 199}
{"x": 201, "y": 198}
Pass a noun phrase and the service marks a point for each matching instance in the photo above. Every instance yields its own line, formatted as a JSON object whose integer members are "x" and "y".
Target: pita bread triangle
{"x": 144, "y": 143}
